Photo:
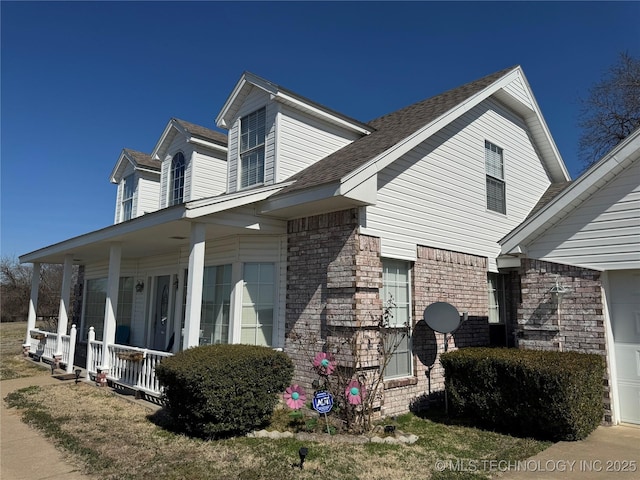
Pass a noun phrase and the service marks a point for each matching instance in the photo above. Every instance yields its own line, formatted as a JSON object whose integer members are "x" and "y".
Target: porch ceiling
{"x": 144, "y": 240}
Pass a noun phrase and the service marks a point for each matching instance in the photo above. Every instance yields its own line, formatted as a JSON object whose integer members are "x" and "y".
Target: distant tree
{"x": 15, "y": 289}
{"x": 612, "y": 109}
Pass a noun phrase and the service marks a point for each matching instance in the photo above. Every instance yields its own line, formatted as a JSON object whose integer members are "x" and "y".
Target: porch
{"x": 124, "y": 366}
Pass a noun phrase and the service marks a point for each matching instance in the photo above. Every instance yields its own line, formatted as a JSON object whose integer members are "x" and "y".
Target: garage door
{"x": 624, "y": 295}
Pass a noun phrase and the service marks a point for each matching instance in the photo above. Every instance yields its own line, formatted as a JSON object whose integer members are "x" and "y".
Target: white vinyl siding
{"x": 148, "y": 194}
{"x": 208, "y": 174}
{"x": 435, "y": 195}
{"x": 396, "y": 296}
{"x": 603, "y": 233}
{"x": 517, "y": 90}
{"x": 303, "y": 140}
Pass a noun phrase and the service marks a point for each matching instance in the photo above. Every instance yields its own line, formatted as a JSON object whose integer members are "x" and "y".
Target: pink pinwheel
{"x": 324, "y": 363}
{"x": 355, "y": 392}
{"x": 294, "y": 397}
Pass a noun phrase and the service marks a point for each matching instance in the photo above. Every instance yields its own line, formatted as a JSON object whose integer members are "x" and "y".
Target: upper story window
{"x": 494, "y": 166}
{"x": 252, "y": 138}
{"x": 127, "y": 197}
{"x": 177, "y": 178}
{"x": 396, "y": 287}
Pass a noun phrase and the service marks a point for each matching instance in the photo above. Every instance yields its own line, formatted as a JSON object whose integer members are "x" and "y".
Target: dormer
{"x": 193, "y": 162}
{"x": 138, "y": 178}
{"x": 275, "y": 133}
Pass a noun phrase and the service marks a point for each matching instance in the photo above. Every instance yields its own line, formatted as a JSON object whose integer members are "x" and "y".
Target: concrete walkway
{"x": 24, "y": 452}
{"x": 608, "y": 453}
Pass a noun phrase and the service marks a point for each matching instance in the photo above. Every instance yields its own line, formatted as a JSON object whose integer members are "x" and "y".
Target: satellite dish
{"x": 442, "y": 317}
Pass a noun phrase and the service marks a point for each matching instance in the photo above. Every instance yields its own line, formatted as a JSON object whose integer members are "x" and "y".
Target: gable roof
{"x": 139, "y": 160}
{"x": 202, "y": 132}
{"x": 595, "y": 178}
{"x": 193, "y": 133}
{"x": 249, "y": 80}
{"x": 397, "y": 132}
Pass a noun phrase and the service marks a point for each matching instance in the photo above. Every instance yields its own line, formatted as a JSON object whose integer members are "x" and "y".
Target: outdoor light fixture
{"x": 77, "y": 375}
{"x": 139, "y": 286}
{"x": 303, "y": 453}
{"x": 558, "y": 291}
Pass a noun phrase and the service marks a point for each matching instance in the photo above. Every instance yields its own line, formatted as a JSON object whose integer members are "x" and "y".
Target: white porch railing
{"x": 130, "y": 366}
{"x": 48, "y": 345}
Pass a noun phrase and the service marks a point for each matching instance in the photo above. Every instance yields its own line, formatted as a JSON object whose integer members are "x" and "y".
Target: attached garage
{"x": 592, "y": 227}
{"x": 624, "y": 311}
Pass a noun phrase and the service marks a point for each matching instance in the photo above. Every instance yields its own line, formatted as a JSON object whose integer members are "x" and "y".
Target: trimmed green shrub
{"x": 217, "y": 391}
{"x": 542, "y": 394}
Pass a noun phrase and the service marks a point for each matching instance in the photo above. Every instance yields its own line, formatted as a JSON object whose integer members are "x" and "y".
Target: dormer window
{"x": 177, "y": 178}
{"x": 127, "y": 198}
{"x": 252, "y": 138}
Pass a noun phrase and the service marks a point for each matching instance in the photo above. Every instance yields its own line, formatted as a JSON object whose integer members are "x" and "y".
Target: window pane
{"x": 257, "y": 303}
{"x": 216, "y": 305}
{"x": 495, "y": 195}
{"x": 396, "y": 284}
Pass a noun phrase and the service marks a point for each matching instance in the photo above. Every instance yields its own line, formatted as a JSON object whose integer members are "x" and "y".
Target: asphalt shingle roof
{"x": 143, "y": 159}
{"x": 552, "y": 192}
{"x": 390, "y": 129}
{"x": 203, "y": 132}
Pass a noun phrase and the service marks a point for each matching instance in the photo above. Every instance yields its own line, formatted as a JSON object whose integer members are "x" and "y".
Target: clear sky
{"x": 80, "y": 81}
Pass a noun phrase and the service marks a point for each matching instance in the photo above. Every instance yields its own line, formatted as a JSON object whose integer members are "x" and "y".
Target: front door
{"x": 624, "y": 298}
{"x": 161, "y": 321}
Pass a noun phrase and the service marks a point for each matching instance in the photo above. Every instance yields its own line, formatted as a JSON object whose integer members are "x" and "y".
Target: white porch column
{"x": 194, "y": 287}
{"x": 111, "y": 304}
{"x": 33, "y": 305}
{"x": 63, "y": 311}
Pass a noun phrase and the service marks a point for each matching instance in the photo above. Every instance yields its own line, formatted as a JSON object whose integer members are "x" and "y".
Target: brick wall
{"x": 334, "y": 275}
{"x": 575, "y": 323}
{"x": 440, "y": 276}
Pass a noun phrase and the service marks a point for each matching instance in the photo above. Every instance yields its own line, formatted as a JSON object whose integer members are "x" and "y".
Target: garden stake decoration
{"x": 294, "y": 397}
{"x": 355, "y": 392}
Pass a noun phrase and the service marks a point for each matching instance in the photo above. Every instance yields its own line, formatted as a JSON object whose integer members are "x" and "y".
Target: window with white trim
{"x": 396, "y": 286}
{"x": 177, "y": 178}
{"x": 258, "y": 299}
{"x": 95, "y": 300}
{"x": 496, "y": 298}
{"x": 216, "y": 305}
{"x": 128, "y": 188}
{"x": 252, "y": 140}
{"x": 494, "y": 166}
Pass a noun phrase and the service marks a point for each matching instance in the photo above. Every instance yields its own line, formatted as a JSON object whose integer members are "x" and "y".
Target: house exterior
{"x": 296, "y": 227}
{"x": 585, "y": 244}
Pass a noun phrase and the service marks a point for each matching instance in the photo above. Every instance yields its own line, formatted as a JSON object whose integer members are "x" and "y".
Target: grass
{"x": 111, "y": 437}
{"x": 12, "y": 363}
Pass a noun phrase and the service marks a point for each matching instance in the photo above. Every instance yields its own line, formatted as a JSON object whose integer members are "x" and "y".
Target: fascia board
{"x": 114, "y": 172}
{"x": 625, "y": 153}
{"x": 208, "y": 206}
{"x": 148, "y": 170}
{"x": 318, "y": 112}
{"x": 207, "y": 144}
{"x": 247, "y": 80}
{"x": 387, "y": 157}
{"x": 163, "y": 137}
{"x": 308, "y": 195}
{"x": 111, "y": 232}
{"x": 557, "y": 158}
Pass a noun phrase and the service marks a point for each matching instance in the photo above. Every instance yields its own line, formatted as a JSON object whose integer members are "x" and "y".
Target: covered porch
{"x": 188, "y": 275}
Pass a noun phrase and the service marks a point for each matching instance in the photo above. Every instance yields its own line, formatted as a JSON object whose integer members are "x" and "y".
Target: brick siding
{"x": 576, "y": 323}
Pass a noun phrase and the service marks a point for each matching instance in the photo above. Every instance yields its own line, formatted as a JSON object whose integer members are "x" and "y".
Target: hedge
{"x": 222, "y": 390}
{"x": 542, "y": 394}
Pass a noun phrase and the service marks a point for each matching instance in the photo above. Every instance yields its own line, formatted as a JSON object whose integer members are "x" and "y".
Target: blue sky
{"x": 80, "y": 81}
